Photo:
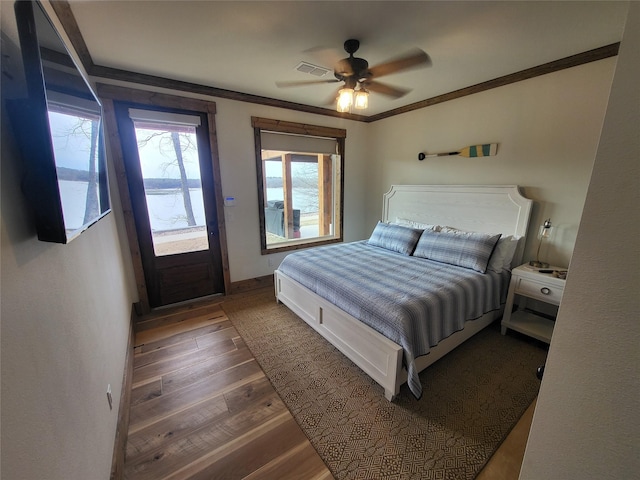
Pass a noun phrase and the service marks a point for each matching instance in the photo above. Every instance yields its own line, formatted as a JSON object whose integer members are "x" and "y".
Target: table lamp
{"x": 544, "y": 234}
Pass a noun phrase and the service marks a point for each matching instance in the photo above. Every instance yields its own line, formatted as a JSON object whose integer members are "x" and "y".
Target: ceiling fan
{"x": 360, "y": 79}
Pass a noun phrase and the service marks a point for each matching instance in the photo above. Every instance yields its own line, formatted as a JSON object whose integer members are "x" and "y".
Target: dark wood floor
{"x": 201, "y": 408}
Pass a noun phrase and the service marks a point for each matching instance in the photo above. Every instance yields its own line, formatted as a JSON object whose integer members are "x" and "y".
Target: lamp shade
{"x": 546, "y": 229}
{"x": 544, "y": 234}
{"x": 345, "y": 99}
{"x": 361, "y": 100}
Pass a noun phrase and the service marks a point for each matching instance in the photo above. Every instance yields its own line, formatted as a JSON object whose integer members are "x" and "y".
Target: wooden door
{"x": 168, "y": 164}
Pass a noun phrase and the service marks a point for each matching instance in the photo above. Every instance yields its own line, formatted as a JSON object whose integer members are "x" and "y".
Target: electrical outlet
{"x": 270, "y": 262}
{"x": 109, "y": 397}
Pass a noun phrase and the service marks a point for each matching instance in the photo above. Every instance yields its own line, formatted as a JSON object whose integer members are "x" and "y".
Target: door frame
{"x": 110, "y": 93}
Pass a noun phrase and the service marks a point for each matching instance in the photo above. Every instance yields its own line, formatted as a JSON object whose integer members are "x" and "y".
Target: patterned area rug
{"x": 472, "y": 397}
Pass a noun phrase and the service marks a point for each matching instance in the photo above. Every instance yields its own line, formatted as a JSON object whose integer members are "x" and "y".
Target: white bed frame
{"x": 489, "y": 209}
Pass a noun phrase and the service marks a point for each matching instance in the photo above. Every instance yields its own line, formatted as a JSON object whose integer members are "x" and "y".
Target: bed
{"x": 353, "y": 310}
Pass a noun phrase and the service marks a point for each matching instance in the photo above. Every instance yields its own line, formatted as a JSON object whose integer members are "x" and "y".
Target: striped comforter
{"x": 412, "y": 301}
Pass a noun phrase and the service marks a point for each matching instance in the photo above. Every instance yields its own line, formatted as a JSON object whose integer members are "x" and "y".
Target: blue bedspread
{"x": 412, "y": 301}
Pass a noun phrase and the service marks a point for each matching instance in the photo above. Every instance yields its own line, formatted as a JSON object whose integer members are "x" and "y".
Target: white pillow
{"x": 405, "y": 222}
{"x": 503, "y": 254}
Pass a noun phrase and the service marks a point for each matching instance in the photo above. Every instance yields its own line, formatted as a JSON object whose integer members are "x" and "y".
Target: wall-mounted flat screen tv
{"x": 60, "y": 133}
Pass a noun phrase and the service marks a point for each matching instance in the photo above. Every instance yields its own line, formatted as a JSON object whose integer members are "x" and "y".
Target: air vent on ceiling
{"x": 311, "y": 69}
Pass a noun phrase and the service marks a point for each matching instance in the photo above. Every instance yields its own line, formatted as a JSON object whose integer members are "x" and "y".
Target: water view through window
{"x": 75, "y": 142}
{"x": 306, "y": 181}
{"x": 304, "y": 199}
{"x": 173, "y": 189}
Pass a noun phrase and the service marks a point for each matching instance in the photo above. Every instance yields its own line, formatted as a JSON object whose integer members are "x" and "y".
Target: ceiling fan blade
{"x": 413, "y": 59}
{"x": 385, "y": 89}
{"x": 325, "y": 56}
{"x": 300, "y": 83}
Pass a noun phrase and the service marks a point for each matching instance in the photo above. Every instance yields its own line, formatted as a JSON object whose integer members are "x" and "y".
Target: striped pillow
{"x": 464, "y": 249}
{"x": 395, "y": 238}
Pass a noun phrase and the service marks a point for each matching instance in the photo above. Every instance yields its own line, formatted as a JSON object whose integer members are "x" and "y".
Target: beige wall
{"x": 547, "y": 129}
{"x": 586, "y": 424}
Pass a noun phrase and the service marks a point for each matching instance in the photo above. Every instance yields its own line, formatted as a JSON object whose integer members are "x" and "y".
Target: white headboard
{"x": 478, "y": 208}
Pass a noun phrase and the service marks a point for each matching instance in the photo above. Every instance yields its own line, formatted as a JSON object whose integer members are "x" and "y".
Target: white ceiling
{"x": 247, "y": 46}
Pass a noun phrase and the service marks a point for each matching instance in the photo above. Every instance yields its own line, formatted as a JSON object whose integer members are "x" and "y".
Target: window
{"x": 299, "y": 184}
{"x": 169, "y": 163}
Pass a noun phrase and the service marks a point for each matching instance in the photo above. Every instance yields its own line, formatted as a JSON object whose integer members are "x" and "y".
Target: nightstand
{"x": 528, "y": 282}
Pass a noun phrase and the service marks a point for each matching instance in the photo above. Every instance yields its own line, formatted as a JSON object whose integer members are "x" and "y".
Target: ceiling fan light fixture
{"x": 361, "y": 99}
{"x": 345, "y": 99}
{"x": 356, "y": 74}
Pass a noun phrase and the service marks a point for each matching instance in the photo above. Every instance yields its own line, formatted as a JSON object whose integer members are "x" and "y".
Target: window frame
{"x": 269, "y": 125}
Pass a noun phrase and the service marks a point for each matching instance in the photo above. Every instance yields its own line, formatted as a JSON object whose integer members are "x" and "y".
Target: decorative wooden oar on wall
{"x": 486, "y": 150}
